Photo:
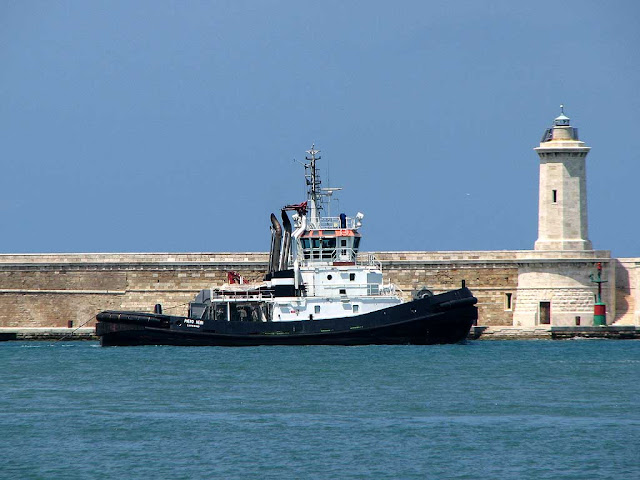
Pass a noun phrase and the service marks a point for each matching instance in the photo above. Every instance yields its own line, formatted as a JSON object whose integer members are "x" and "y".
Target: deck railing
{"x": 242, "y": 295}
{"x": 339, "y": 254}
{"x": 331, "y": 223}
{"x": 372, "y": 289}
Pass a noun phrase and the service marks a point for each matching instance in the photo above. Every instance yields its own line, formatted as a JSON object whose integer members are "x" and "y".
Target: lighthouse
{"x": 562, "y": 210}
{"x": 554, "y": 286}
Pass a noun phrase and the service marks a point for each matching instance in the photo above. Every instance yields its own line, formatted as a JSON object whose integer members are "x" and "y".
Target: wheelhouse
{"x": 334, "y": 245}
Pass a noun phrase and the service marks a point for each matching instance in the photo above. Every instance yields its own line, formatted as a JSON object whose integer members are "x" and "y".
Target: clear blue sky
{"x": 172, "y": 126}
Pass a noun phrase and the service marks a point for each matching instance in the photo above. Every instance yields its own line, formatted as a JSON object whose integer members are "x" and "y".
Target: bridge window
{"x": 306, "y": 245}
{"x": 328, "y": 243}
{"x": 321, "y": 248}
{"x": 316, "y": 309}
{"x": 328, "y": 247}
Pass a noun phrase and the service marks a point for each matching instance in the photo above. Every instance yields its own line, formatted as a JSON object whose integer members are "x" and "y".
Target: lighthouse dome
{"x": 561, "y": 120}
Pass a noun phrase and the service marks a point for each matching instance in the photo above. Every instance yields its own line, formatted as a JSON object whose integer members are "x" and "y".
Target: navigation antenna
{"x": 328, "y": 192}
{"x": 313, "y": 183}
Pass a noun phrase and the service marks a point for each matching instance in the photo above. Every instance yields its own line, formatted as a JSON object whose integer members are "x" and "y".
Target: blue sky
{"x": 173, "y": 126}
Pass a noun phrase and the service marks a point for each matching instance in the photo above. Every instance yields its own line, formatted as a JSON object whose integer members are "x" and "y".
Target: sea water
{"x": 481, "y": 410}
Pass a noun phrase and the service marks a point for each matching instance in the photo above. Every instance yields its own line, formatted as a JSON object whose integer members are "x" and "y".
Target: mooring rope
{"x": 176, "y": 306}
{"x": 76, "y": 329}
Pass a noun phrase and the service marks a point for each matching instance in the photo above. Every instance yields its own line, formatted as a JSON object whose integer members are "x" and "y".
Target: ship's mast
{"x": 313, "y": 184}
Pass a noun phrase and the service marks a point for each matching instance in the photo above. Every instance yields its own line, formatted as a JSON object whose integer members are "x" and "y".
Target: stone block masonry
{"x": 49, "y": 290}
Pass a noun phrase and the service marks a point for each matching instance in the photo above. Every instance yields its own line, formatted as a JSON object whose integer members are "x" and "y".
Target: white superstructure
{"x": 315, "y": 269}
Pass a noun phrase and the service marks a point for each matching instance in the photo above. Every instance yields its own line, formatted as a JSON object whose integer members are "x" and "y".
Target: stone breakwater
{"x": 58, "y": 290}
{"x": 613, "y": 332}
{"x": 48, "y": 334}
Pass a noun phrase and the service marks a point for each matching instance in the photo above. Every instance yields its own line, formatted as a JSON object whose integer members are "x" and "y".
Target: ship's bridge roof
{"x": 328, "y": 223}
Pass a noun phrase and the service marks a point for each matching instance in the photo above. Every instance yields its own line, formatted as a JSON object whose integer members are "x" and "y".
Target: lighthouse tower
{"x": 562, "y": 211}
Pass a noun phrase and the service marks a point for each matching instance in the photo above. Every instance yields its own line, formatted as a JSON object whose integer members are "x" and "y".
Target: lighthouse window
{"x": 554, "y": 195}
{"x": 507, "y": 301}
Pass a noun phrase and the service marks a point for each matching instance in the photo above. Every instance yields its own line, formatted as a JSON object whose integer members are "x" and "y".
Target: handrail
{"x": 368, "y": 259}
{"x": 331, "y": 223}
{"x": 342, "y": 254}
{"x": 381, "y": 289}
{"x": 393, "y": 289}
{"x": 242, "y": 296}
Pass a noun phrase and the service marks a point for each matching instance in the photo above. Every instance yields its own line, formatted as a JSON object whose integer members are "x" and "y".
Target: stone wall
{"x": 568, "y": 289}
{"x": 490, "y": 280}
{"x": 48, "y": 290}
{"x": 627, "y": 291}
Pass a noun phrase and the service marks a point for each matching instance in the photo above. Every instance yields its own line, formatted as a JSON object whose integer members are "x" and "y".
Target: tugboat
{"x": 319, "y": 290}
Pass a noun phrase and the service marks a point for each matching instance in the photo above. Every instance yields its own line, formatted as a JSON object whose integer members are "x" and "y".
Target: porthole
{"x": 329, "y": 277}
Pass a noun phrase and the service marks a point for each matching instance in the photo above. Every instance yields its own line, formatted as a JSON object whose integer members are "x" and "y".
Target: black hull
{"x": 444, "y": 318}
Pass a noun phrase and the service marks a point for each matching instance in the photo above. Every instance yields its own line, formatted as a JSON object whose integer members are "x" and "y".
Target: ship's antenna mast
{"x": 313, "y": 182}
{"x": 328, "y": 193}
